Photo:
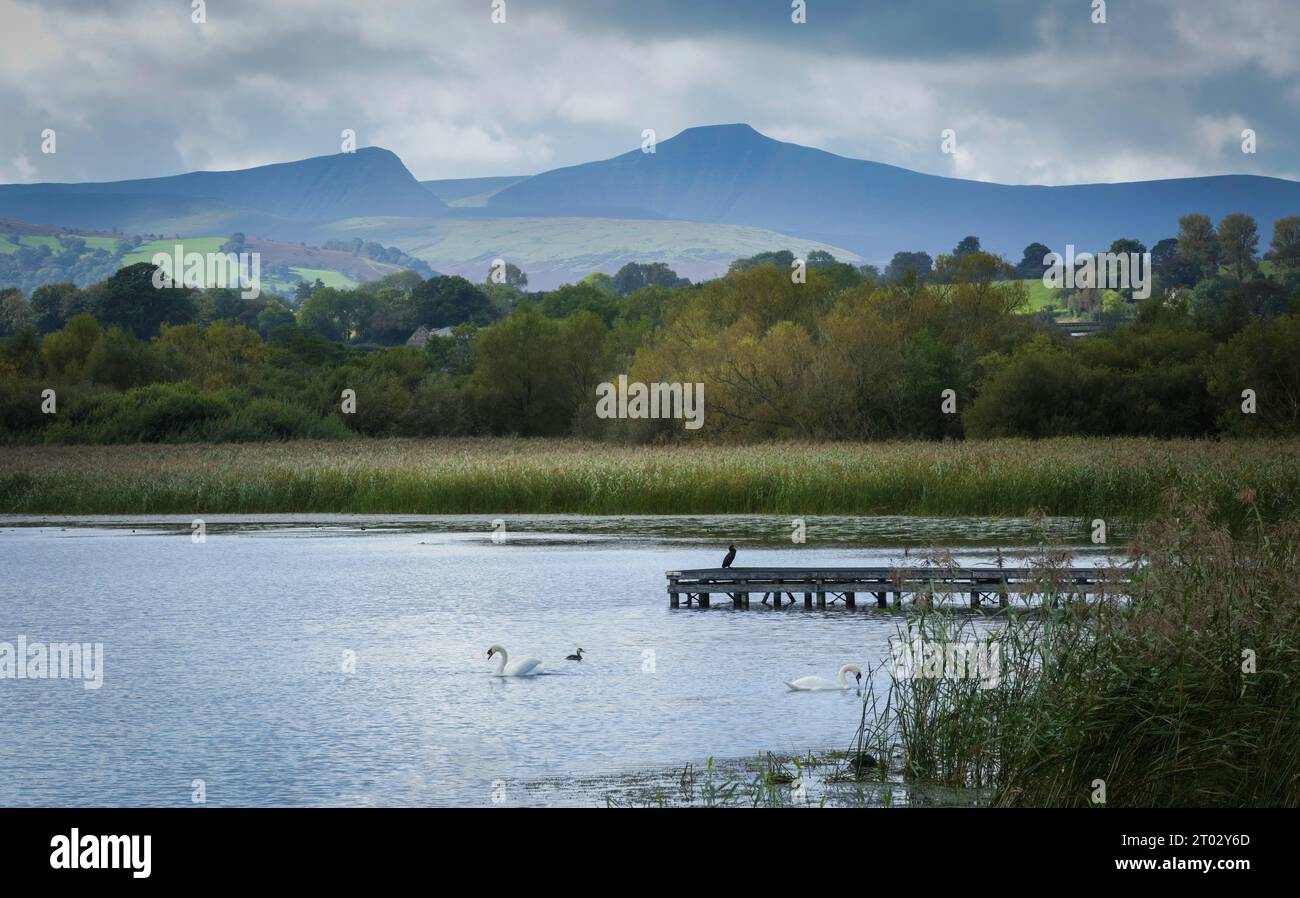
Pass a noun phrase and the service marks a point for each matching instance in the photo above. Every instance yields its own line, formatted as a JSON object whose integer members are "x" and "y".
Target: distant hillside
{"x": 32, "y": 255}
{"x": 470, "y": 192}
{"x": 12, "y": 226}
{"x": 733, "y": 174}
{"x": 270, "y": 200}
{"x": 553, "y": 251}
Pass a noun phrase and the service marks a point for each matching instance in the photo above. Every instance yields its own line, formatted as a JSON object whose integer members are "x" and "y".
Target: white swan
{"x": 809, "y": 684}
{"x": 529, "y": 667}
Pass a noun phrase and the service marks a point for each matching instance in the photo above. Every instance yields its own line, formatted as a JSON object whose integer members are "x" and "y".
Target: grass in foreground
{"x": 1187, "y": 696}
{"x": 1106, "y": 478}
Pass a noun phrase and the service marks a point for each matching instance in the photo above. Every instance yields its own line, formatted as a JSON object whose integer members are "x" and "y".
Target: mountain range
{"x": 702, "y": 198}
{"x": 272, "y": 200}
{"x": 733, "y": 174}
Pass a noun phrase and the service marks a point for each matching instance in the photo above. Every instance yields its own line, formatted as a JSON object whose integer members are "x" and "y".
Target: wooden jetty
{"x": 830, "y": 586}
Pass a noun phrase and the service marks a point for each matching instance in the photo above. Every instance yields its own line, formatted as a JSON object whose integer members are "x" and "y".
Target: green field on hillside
{"x": 1040, "y": 296}
{"x": 205, "y": 244}
{"x": 327, "y": 276}
{"x": 108, "y": 244}
{"x": 145, "y": 251}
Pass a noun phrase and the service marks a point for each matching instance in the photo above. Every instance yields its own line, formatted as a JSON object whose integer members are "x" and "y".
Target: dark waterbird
{"x": 577, "y": 657}
{"x": 731, "y": 556}
{"x": 862, "y": 762}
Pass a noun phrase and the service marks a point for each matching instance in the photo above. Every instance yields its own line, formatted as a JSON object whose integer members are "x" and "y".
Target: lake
{"x": 294, "y": 660}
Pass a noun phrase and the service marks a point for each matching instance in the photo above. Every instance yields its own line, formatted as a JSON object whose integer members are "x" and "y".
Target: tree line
{"x": 843, "y": 352}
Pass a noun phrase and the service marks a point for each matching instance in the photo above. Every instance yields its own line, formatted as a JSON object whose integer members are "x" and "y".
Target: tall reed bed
{"x": 1107, "y": 478}
{"x": 1187, "y": 695}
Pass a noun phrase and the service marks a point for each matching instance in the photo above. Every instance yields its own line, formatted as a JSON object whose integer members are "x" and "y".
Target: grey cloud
{"x": 1036, "y": 92}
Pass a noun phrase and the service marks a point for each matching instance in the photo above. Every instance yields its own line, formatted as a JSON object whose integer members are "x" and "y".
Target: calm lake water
{"x": 224, "y": 662}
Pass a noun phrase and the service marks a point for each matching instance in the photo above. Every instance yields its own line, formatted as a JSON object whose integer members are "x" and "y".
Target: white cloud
{"x": 24, "y": 168}
{"x": 137, "y": 89}
{"x": 1216, "y": 134}
{"x": 1263, "y": 32}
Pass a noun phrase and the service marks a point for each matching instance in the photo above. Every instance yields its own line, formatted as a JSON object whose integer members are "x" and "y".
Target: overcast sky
{"x": 1035, "y": 91}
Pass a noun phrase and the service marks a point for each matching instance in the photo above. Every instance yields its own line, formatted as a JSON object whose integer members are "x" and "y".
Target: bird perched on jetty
{"x": 731, "y": 556}
{"x": 577, "y": 657}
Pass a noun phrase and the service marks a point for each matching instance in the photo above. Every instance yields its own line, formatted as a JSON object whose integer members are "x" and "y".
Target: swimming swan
{"x": 809, "y": 684}
{"x": 529, "y": 667}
